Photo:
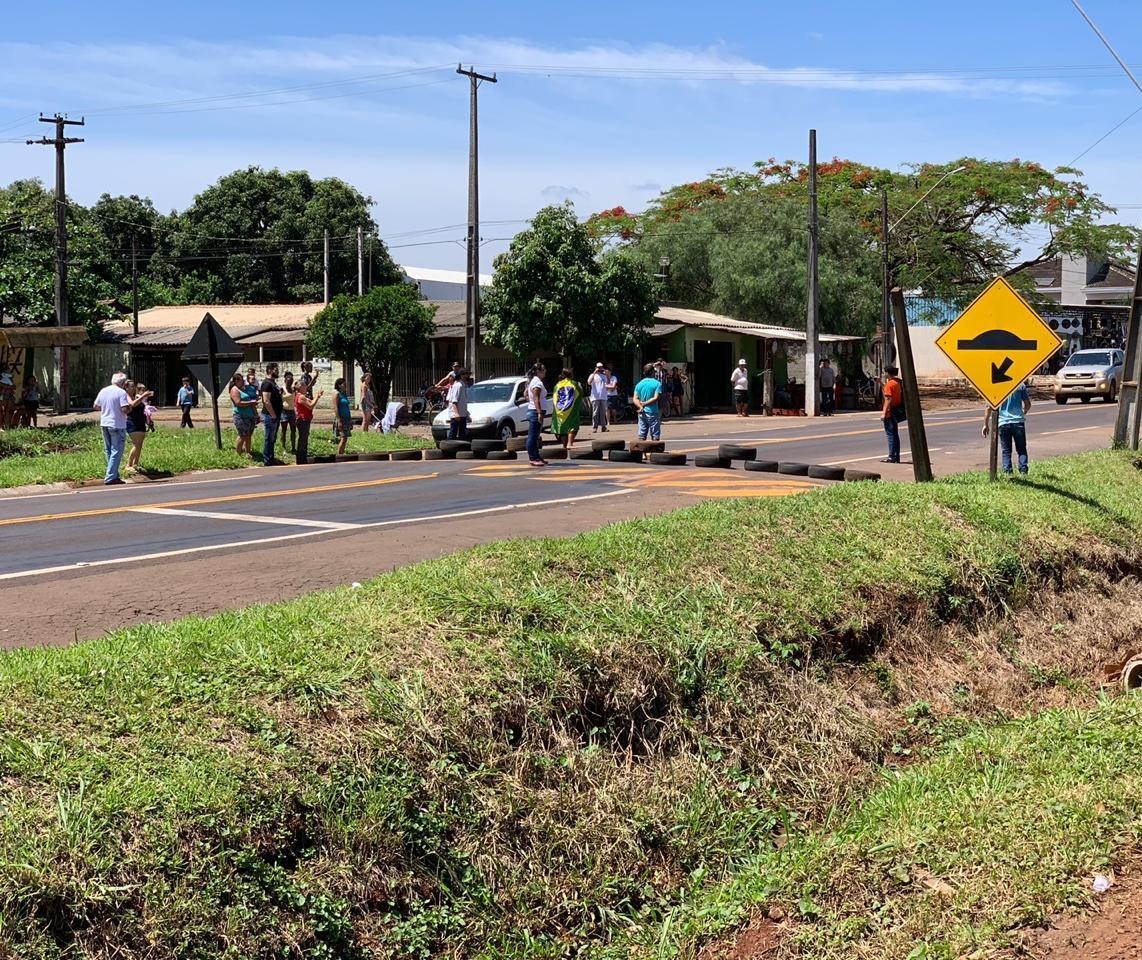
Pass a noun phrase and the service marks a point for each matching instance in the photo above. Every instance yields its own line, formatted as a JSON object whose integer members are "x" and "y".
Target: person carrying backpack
{"x": 893, "y": 412}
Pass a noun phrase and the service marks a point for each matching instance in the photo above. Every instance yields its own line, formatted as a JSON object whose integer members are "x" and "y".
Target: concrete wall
{"x": 931, "y": 364}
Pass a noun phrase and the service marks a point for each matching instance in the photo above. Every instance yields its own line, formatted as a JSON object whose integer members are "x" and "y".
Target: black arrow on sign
{"x": 999, "y": 374}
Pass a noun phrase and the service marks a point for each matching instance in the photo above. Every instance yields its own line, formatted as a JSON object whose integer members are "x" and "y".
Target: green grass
{"x": 539, "y": 748}
{"x": 73, "y": 453}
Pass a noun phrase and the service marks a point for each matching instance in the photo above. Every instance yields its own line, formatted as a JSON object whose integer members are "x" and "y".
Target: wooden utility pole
{"x": 886, "y": 348}
{"x": 326, "y": 271}
{"x": 360, "y": 262}
{"x": 917, "y": 438}
{"x": 472, "y": 290}
{"x": 135, "y": 284}
{"x": 812, "y": 332}
{"x": 60, "y": 142}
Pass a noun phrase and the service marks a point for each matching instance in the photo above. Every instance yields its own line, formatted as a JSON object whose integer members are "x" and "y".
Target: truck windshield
{"x": 1089, "y": 358}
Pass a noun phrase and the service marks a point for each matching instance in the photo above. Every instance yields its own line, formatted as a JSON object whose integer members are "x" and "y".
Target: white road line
{"x": 172, "y": 482}
{"x": 879, "y": 456}
{"x": 247, "y": 517}
{"x": 73, "y": 567}
{"x": 1094, "y": 426}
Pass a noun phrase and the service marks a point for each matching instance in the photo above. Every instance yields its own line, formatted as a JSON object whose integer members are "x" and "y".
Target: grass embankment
{"x": 75, "y": 452}
{"x": 540, "y": 747}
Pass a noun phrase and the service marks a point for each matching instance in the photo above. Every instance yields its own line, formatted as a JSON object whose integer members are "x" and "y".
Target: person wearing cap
{"x": 893, "y": 411}
{"x": 597, "y": 384}
{"x": 113, "y": 404}
{"x": 739, "y": 380}
{"x": 458, "y": 406}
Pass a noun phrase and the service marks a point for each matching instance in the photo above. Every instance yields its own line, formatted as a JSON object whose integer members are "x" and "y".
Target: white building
{"x": 442, "y": 284}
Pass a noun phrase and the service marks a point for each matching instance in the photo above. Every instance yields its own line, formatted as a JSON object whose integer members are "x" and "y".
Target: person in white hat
{"x": 597, "y": 384}
{"x": 739, "y": 380}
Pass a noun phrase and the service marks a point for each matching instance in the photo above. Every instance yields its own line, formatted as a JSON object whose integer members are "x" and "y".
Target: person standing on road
{"x": 136, "y": 421}
{"x": 342, "y": 415}
{"x": 612, "y": 395}
{"x": 244, "y": 397}
{"x": 186, "y": 400}
{"x": 289, "y": 415}
{"x": 271, "y": 414}
{"x": 568, "y": 408}
{"x": 893, "y": 411}
{"x": 739, "y": 381}
{"x": 368, "y": 402}
{"x": 827, "y": 378}
{"x": 1012, "y": 427}
{"x": 647, "y": 394}
{"x": 458, "y": 407}
{"x": 304, "y": 405}
{"x": 113, "y": 403}
{"x": 536, "y": 394}
{"x": 597, "y": 385}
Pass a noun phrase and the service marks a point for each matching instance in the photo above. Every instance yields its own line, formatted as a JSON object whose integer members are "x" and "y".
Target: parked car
{"x": 1090, "y": 373}
{"x": 497, "y": 409}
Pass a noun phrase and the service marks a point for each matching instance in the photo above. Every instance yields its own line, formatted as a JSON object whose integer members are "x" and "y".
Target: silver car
{"x": 1090, "y": 373}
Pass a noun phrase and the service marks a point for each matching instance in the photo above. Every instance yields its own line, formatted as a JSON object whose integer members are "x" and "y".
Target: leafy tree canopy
{"x": 27, "y": 259}
{"x": 552, "y": 290}
{"x": 988, "y": 218}
{"x": 379, "y": 330}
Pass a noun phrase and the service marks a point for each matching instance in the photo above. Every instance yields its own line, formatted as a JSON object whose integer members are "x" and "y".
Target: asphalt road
{"x": 82, "y": 562}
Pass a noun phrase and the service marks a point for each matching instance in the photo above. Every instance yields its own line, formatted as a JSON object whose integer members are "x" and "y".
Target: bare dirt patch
{"x": 1112, "y": 931}
{"x": 760, "y": 938}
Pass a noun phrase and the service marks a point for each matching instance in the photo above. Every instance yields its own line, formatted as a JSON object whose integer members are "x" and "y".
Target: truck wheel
{"x": 1084, "y": 399}
{"x": 1113, "y": 395}
{"x": 1061, "y": 401}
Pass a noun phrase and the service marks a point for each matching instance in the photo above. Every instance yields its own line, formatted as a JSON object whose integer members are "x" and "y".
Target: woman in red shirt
{"x": 304, "y": 406}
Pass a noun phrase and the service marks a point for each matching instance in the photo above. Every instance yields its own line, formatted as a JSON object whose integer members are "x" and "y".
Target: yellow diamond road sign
{"x": 998, "y": 342}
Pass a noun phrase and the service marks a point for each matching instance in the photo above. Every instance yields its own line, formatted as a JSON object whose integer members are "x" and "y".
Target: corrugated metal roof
{"x": 716, "y": 321}
{"x": 24, "y": 337}
{"x": 264, "y": 337}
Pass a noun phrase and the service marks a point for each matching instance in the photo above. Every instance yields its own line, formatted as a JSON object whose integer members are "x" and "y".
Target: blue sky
{"x": 601, "y": 103}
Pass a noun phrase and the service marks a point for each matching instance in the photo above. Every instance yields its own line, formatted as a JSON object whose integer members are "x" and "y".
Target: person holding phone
{"x": 304, "y": 404}
{"x": 137, "y": 420}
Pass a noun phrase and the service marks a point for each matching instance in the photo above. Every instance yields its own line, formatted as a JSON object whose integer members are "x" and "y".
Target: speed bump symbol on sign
{"x": 998, "y": 342}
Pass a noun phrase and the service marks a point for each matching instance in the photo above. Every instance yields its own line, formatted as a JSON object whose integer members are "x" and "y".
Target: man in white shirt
{"x": 597, "y": 384}
{"x": 536, "y": 395}
{"x": 113, "y": 403}
{"x": 458, "y": 406}
{"x": 612, "y": 394}
{"x": 739, "y": 380}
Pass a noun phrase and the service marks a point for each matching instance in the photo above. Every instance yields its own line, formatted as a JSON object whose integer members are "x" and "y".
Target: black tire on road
{"x": 405, "y": 455}
{"x": 761, "y": 466}
{"x": 501, "y": 455}
{"x": 647, "y": 446}
{"x": 1084, "y": 399}
{"x": 454, "y": 445}
{"x": 733, "y": 451}
{"x": 471, "y": 455}
{"x": 818, "y": 471}
{"x": 487, "y": 445}
{"x": 1061, "y": 400}
{"x": 604, "y": 445}
{"x": 858, "y": 475}
{"x": 373, "y": 456}
{"x": 517, "y": 443}
{"x": 668, "y": 459}
{"x": 1113, "y": 395}
{"x": 555, "y": 453}
{"x": 791, "y": 469}
{"x": 322, "y": 458}
{"x": 586, "y": 453}
{"x": 440, "y": 454}
{"x": 712, "y": 460}
{"x": 345, "y": 457}
{"x": 624, "y": 456}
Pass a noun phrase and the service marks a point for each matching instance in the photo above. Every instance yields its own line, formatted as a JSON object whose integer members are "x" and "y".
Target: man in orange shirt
{"x": 893, "y": 412}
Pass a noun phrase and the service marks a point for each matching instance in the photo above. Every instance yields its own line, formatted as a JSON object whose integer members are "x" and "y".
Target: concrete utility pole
{"x": 812, "y": 332}
{"x": 326, "y": 267}
{"x": 60, "y": 142}
{"x": 472, "y": 290}
{"x": 360, "y": 262}
{"x": 887, "y": 350}
{"x": 917, "y": 436}
{"x": 135, "y": 284}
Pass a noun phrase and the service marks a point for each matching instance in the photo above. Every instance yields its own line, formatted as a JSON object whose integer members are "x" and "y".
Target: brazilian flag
{"x": 568, "y": 401}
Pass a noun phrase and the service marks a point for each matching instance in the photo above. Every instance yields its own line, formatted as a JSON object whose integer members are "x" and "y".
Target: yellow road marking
{"x": 296, "y": 491}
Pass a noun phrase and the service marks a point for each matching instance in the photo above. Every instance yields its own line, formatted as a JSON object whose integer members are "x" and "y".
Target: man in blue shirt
{"x": 1012, "y": 427}
{"x": 647, "y": 393}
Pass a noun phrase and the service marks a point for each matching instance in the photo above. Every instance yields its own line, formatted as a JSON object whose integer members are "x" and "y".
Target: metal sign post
{"x": 212, "y": 356}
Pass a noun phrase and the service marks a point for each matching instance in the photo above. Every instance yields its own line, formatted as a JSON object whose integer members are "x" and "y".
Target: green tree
{"x": 255, "y": 236}
{"x": 27, "y": 259}
{"x": 747, "y": 256}
{"x": 552, "y": 290}
{"x": 386, "y": 326}
{"x": 957, "y": 230}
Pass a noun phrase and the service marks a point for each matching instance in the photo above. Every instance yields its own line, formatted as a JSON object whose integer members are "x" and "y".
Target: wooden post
{"x": 917, "y": 438}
